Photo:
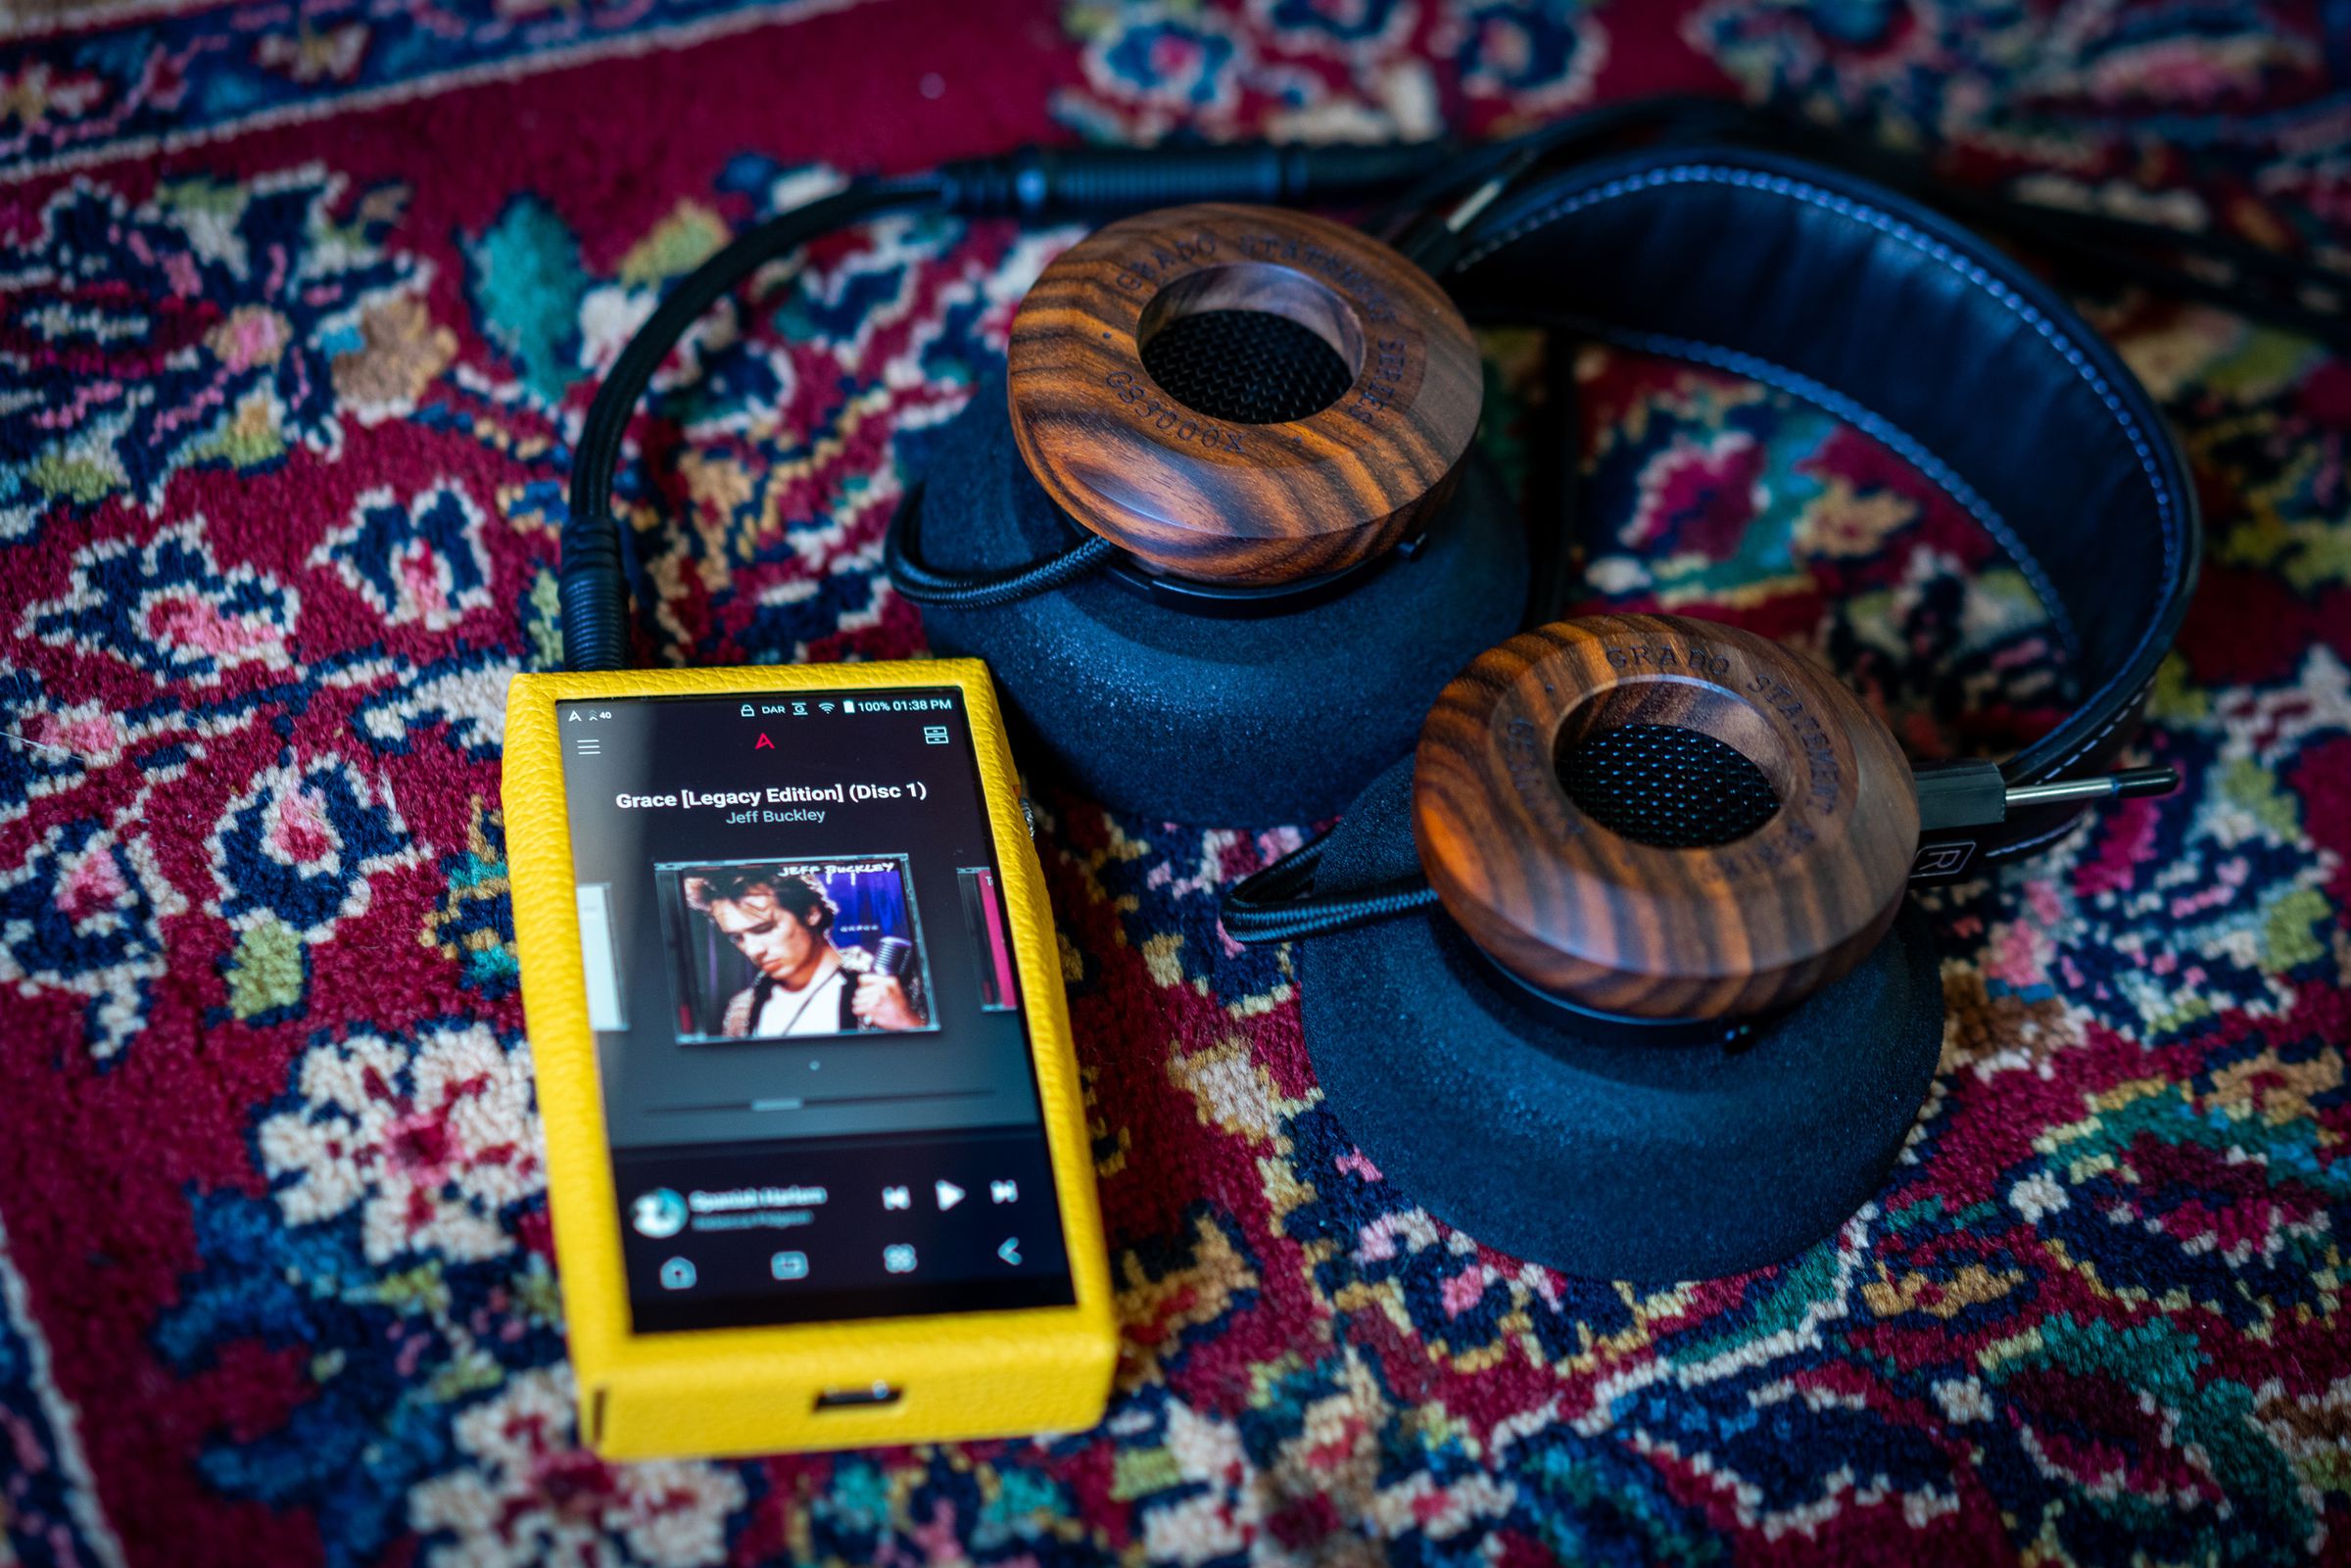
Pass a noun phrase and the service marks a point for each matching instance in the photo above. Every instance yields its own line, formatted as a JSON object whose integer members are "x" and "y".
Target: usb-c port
{"x": 866, "y": 1397}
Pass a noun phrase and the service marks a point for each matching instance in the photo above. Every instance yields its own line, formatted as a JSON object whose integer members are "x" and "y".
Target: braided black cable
{"x": 595, "y": 591}
{"x": 1277, "y": 904}
{"x": 925, "y": 585}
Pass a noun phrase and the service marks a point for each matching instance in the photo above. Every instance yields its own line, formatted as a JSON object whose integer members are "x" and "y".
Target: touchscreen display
{"x": 813, "y": 1046}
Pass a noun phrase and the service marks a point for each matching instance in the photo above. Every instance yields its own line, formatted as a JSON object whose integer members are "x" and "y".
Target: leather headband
{"x": 1909, "y": 327}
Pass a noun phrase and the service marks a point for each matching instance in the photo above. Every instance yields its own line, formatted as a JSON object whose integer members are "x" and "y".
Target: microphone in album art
{"x": 893, "y": 956}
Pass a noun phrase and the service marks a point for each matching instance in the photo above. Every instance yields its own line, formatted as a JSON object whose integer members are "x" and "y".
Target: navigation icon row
{"x": 679, "y": 1273}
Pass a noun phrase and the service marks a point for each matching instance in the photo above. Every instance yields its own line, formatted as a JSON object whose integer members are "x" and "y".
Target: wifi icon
{"x": 824, "y": 707}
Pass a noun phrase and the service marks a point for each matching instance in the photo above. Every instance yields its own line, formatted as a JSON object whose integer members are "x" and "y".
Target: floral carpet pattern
{"x": 299, "y": 310}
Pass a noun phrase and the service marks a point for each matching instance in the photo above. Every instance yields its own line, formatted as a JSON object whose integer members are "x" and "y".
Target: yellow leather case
{"x": 754, "y": 1390}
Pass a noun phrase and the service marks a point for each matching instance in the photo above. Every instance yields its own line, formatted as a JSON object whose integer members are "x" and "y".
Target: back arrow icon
{"x": 1010, "y": 1252}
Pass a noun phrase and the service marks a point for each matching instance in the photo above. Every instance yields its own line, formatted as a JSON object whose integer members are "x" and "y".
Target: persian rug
{"x": 299, "y": 308}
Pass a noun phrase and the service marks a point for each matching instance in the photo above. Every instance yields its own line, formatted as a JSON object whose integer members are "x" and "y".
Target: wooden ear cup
{"x": 1661, "y": 818}
{"x": 1242, "y": 395}
{"x": 1170, "y": 715}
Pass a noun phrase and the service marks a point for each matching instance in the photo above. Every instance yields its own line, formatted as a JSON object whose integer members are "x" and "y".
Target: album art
{"x": 773, "y": 950}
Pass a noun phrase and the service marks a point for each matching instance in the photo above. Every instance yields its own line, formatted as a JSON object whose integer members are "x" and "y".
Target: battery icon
{"x": 848, "y": 707}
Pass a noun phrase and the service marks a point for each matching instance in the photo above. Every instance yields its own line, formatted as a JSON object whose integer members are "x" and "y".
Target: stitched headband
{"x": 1897, "y": 321}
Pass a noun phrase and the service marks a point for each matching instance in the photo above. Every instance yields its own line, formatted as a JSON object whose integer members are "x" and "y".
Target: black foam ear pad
{"x": 1171, "y": 714}
{"x": 1636, "y": 1160}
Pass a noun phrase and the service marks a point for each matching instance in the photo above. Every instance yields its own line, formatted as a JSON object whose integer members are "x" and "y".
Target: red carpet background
{"x": 298, "y": 310}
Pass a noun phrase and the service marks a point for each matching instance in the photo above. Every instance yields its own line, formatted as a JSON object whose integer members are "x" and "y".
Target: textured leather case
{"x": 754, "y": 1390}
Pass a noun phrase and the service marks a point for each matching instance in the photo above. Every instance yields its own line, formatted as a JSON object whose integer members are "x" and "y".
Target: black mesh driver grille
{"x": 1657, "y": 784}
{"x": 1249, "y": 367}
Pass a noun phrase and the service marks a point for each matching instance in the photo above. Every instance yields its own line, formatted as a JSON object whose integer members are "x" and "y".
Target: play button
{"x": 948, "y": 1194}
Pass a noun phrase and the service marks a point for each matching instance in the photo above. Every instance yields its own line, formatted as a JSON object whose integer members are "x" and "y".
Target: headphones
{"x": 1609, "y": 960}
{"x": 1615, "y": 973}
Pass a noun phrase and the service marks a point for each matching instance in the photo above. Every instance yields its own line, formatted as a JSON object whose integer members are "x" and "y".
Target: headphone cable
{"x": 1277, "y": 904}
{"x": 592, "y": 585}
{"x": 1033, "y": 183}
